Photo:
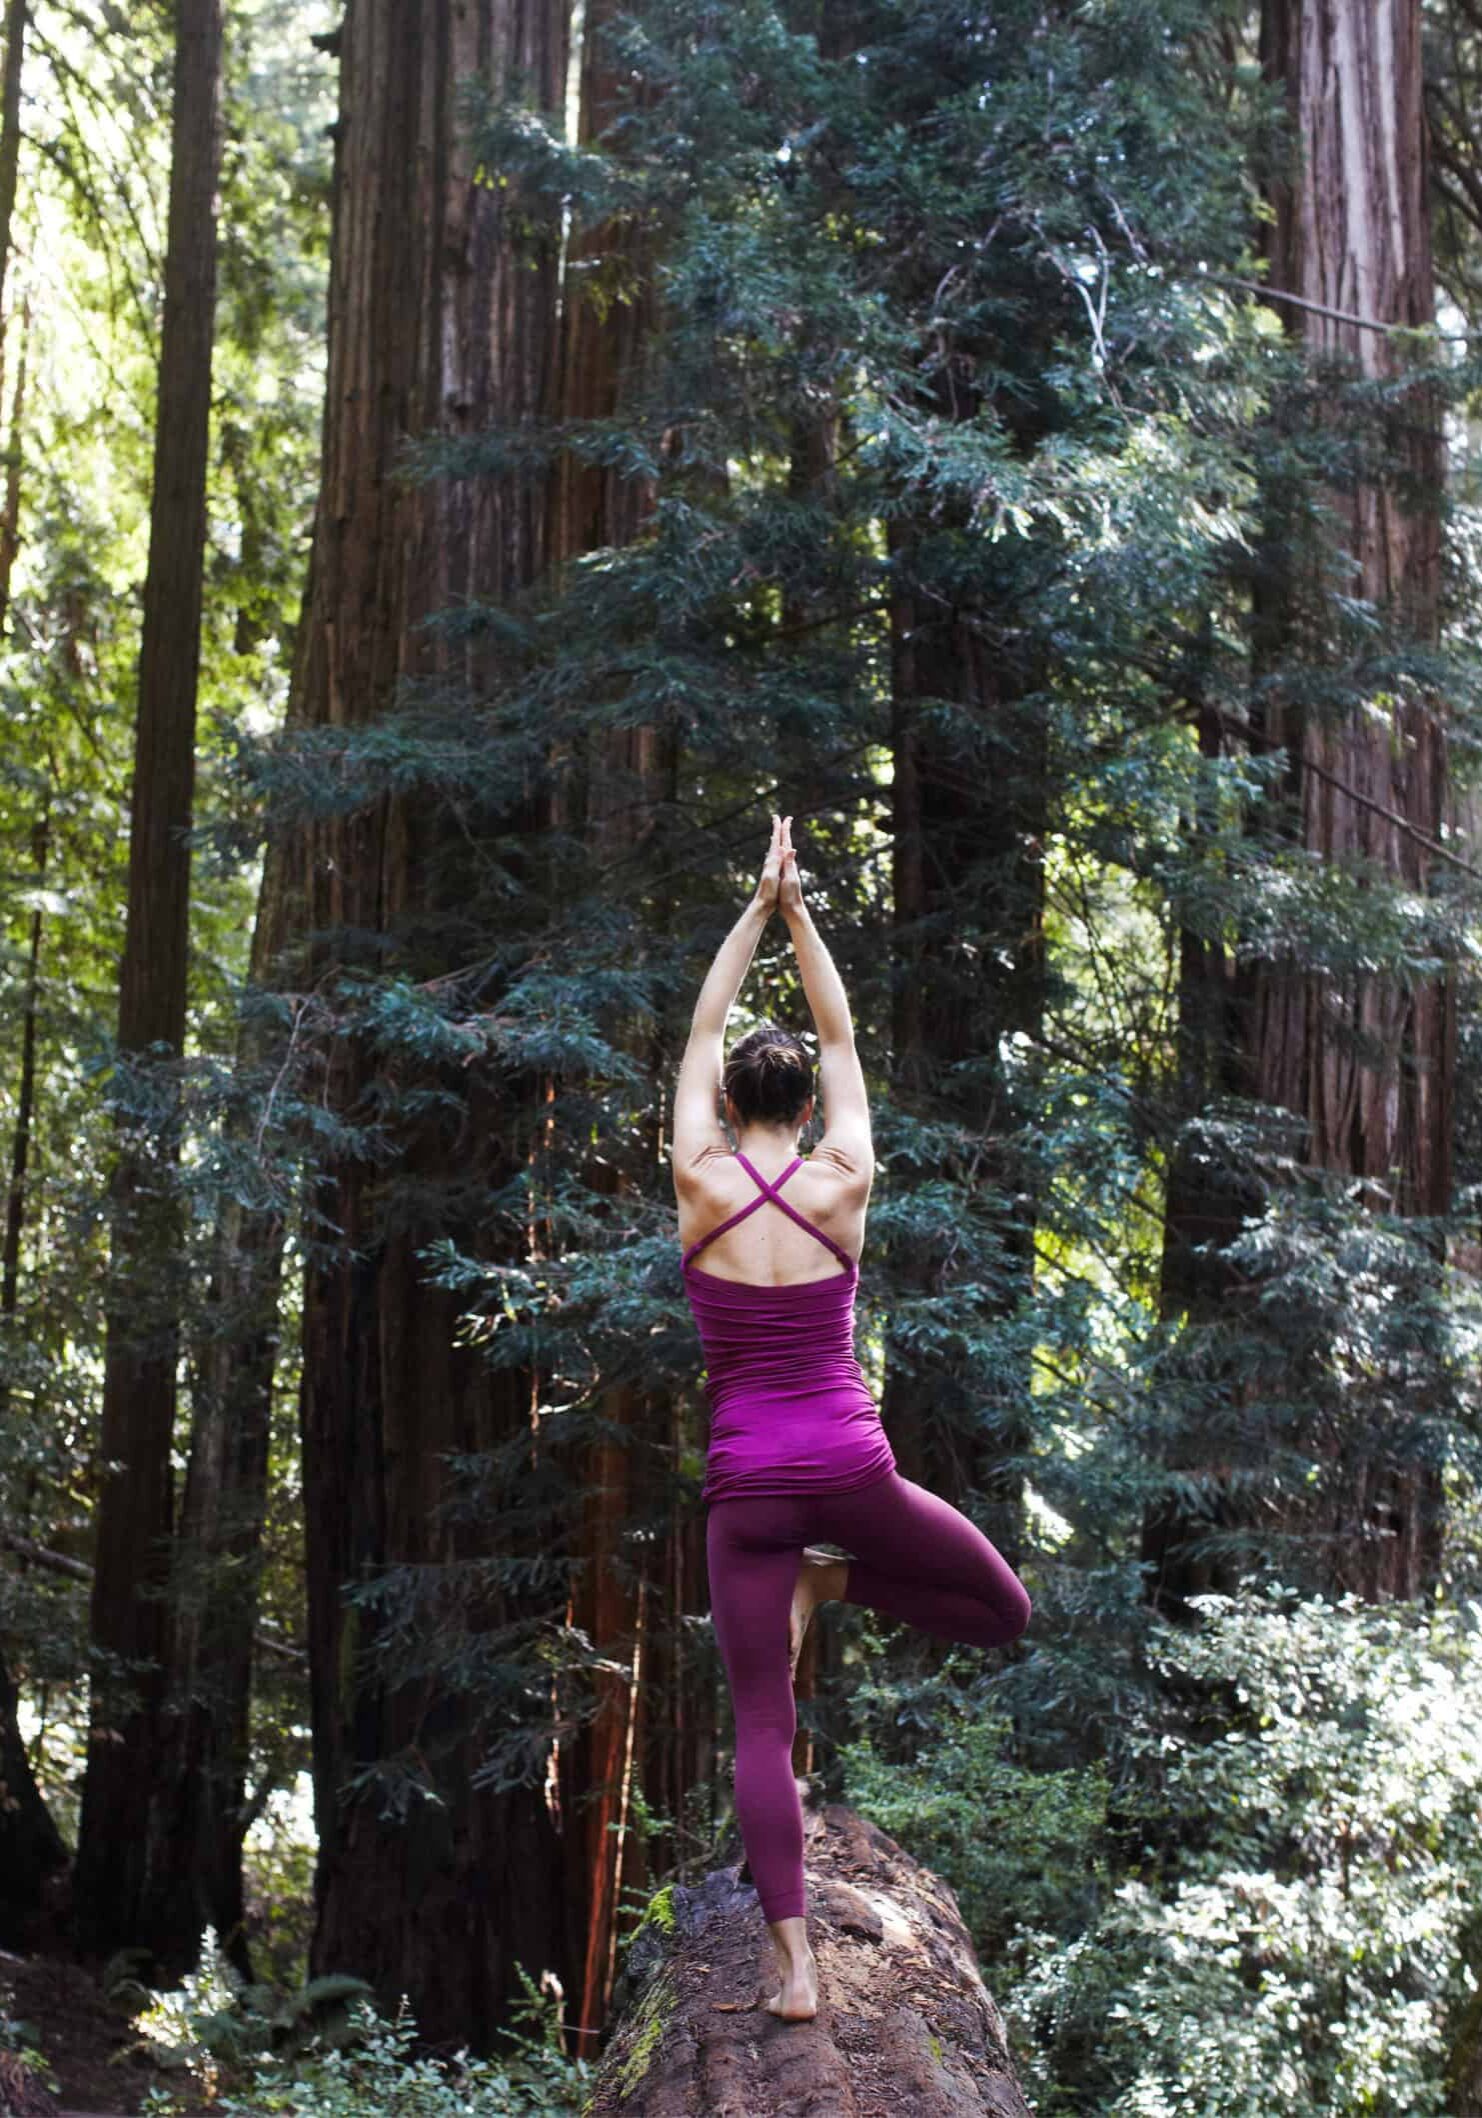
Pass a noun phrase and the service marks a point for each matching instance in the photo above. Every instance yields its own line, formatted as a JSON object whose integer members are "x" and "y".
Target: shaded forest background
{"x": 465, "y": 465}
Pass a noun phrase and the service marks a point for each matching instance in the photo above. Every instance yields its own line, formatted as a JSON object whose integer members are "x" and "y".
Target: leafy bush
{"x": 278, "y": 1884}
{"x": 326, "y": 2052}
{"x": 19, "y": 2040}
{"x": 1017, "y": 1846}
{"x": 1300, "y": 1938}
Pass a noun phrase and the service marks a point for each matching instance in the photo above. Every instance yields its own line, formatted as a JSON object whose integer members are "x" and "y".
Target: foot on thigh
{"x": 820, "y": 1577}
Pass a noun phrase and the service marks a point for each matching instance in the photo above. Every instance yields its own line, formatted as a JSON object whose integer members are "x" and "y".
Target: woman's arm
{"x": 697, "y": 1128}
{"x": 846, "y": 1104}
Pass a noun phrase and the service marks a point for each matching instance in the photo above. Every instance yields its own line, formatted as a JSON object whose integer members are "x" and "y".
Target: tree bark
{"x": 17, "y": 17}
{"x": 1366, "y": 1061}
{"x": 1353, "y": 233}
{"x": 1204, "y": 1208}
{"x": 969, "y": 957}
{"x": 1370, "y": 1065}
{"x": 25, "y": 1103}
{"x": 628, "y": 1591}
{"x": 441, "y": 319}
{"x": 124, "y": 1862}
{"x": 10, "y": 508}
{"x": 904, "y": 2022}
{"x": 202, "y": 1786}
{"x": 31, "y": 1847}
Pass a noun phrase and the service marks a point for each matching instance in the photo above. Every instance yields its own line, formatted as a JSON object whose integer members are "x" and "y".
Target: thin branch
{"x": 79, "y": 1570}
{"x": 1364, "y": 801}
{"x": 1340, "y": 316}
{"x": 1391, "y": 816}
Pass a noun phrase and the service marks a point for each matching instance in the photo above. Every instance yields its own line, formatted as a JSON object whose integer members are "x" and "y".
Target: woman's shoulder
{"x": 708, "y": 1174}
{"x": 846, "y": 1166}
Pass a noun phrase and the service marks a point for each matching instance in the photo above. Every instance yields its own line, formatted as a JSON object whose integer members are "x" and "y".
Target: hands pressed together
{"x": 779, "y": 889}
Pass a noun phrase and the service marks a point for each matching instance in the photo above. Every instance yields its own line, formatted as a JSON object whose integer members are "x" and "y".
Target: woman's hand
{"x": 767, "y": 888}
{"x": 789, "y": 886}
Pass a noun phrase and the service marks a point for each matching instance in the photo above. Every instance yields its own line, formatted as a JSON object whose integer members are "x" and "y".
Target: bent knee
{"x": 1012, "y": 1611}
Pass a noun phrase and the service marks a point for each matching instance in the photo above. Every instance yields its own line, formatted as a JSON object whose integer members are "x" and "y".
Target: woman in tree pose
{"x": 797, "y": 1450}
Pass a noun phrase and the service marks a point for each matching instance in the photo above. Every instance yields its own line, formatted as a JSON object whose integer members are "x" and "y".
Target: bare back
{"x": 768, "y": 1248}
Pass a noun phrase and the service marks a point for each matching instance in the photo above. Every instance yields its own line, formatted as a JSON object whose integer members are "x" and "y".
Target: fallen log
{"x": 905, "y": 2027}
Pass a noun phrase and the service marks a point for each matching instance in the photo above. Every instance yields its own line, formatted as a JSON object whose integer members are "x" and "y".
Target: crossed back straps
{"x": 769, "y": 1191}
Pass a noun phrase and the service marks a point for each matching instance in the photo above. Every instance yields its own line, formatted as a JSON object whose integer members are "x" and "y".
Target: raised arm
{"x": 698, "y": 1132}
{"x": 846, "y": 1105}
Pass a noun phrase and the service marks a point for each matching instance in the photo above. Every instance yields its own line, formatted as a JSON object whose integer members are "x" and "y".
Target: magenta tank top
{"x": 790, "y": 1411}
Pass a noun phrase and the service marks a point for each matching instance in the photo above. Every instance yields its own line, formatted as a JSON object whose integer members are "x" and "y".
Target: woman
{"x": 797, "y": 1450}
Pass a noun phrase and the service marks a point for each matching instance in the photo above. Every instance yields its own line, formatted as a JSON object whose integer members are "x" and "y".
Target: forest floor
{"x": 85, "y": 2039}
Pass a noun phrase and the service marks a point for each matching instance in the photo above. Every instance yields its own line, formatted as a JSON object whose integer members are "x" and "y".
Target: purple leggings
{"x": 917, "y": 1558}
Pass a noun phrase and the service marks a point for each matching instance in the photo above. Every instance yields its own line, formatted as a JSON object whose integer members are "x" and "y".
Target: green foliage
{"x": 943, "y": 322}
{"x": 83, "y": 304}
{"x": 21, "y": 2038}
{"x": 326, "y": 2052}
{"x": 1290, "y": 1921}
{"x": 937, "y": 327}
{"x": 1020, "y": 1848}
{"x": 278, "y": 1878}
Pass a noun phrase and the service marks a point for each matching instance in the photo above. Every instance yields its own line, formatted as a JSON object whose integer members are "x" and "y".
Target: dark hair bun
{"x": 769, "y": 1076}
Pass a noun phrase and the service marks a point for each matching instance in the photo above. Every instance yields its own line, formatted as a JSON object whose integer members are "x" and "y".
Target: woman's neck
{"x": 760, "y": 1143}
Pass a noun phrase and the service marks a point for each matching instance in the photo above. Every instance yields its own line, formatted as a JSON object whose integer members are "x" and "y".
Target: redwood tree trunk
{"x": 442, "y": 319}
{"x": 25, "y": 1102}
{"x": 31, "y": 1847}
{"x": 968, "y": 894}
{"x": 17, "y": 17}
{"x": 125, "y": 1860}
{"x": 202, "y": 1790}
{"x": 217, "y": 1555}
{"x": 1353, "y": 234}
{"x": 628, "y": 1592}
{"x": 1367, "y": 1061}
{"x": 1370, "y": 1063}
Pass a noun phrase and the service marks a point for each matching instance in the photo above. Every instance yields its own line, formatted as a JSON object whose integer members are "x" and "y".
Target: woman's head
{"x": 768, "y": 1078}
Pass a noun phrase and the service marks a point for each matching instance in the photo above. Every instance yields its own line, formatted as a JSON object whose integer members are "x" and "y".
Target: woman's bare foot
{"x": 820, "y": 1577}
{"x": 796, "y": 1999}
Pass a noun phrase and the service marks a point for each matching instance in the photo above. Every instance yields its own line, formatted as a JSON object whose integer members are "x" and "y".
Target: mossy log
{"x": 904, "y": 2022}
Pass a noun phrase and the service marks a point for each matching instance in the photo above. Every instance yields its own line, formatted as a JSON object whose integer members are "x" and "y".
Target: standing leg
{"x": 753, "y": 1547}
{"x": 920, "y": 1559}
{"x": 751, "y": 1583}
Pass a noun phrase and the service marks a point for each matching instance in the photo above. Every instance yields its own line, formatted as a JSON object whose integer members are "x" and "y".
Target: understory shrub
{"x": 327, "y": 2052}
{"x": 1300, "y": 1934}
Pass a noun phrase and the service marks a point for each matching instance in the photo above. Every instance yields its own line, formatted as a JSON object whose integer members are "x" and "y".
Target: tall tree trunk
{"x": 31, "y": 1847}
{"x": 10, "y": 507}
{"x": 1353, "y": 234}
{"x": 125, "y": 1860}
{"x": 442, "y": 318}
{"x": 25, "y": 1105}
{"x": 625, "y": 1589}
{"x": 17, "y": 17}
{"x": 217, "y": 1555}
{"x": 1371, "y": 1064}
{"x": 968, "y": 892}
{"x": 1203, "y": 1211}
{"x": 216, "y": 1571}
{"x": 1367, "y": 1061}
